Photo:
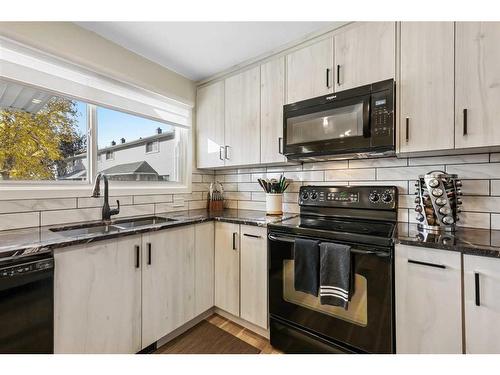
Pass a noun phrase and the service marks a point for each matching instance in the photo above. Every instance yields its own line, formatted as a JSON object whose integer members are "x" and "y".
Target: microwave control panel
{"x": 382, "y": 118}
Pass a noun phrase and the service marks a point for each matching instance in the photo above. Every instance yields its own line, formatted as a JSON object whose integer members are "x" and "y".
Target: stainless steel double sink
{"x": 115, "y": 226}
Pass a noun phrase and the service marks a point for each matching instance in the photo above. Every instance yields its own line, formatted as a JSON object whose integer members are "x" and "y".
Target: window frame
{"x": 26, "y": 189}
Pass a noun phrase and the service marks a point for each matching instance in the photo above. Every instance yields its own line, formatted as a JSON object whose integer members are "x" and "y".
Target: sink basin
{"x": 140, "y": 222}
{"x": 85, "y": 229}
{"x": 100, "y": 228}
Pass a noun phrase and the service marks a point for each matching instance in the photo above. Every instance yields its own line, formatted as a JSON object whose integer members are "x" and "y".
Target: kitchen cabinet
{"x": 204, "y": 258}
{"x": 210, "y": 125}
{"x": 97, "y": 297}
{"x": 482, "y": 304}
{"x": 167, "y": 281}
{"x": 309, "y": 71}
{"x": 253, "y": 287}
{"x": 428, "y": 300}
{"x": 365, "y": 53}
{"x": 227, "y": 267}
{"x": 272, "y": 99}
{"x": 242, "y": 118}
{"x": 427, "y": 86}
{"x": 477, "y": 88}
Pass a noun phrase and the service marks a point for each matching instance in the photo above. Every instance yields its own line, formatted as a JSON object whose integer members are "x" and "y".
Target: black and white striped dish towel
{"x": 335, "y": 274}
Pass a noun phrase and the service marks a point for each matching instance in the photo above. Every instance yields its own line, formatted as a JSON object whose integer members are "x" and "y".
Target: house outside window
{"x": 151, "y": 147}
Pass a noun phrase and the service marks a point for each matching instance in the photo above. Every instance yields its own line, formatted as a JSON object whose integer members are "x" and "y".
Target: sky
{"x": 114, "y": 125}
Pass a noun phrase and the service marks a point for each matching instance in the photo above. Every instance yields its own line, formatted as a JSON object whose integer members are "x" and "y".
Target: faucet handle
{"x": 116, "y": 211}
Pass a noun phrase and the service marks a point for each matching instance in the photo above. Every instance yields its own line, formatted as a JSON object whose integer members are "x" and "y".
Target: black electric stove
{"x": 363, "y": 217}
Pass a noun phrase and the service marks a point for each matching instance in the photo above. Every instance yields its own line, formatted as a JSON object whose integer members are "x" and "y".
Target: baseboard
{"x": 179, "y": 331}
{"x": 236, "y": 319}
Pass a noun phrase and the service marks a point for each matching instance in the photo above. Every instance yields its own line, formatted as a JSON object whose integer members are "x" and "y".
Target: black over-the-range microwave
{"x": 354, "y": 123}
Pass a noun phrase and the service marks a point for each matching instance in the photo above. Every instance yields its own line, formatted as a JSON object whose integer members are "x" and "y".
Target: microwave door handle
{"x": 366, "y": 118}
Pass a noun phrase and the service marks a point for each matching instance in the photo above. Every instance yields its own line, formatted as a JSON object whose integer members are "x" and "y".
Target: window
{"x": 148, "y": 150}
{"x": 43, "y": 136}
{"x": 151, "y": 147}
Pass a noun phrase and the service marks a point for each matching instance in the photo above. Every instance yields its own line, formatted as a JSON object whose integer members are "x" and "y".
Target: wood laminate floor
{"x": 218, "y": 335}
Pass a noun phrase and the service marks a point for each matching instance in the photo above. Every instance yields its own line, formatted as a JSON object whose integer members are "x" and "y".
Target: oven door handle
{"x": 273, "y": 237}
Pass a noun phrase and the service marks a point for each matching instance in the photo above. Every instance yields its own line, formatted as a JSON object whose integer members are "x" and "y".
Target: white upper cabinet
{"x": 428, "y": 300}
{"x": 427, "y": 86}
{"x": 482, "y": 304}
{"x": 477, "y": 84}
{"x": 365, "y": 53}
{"x": 210, "y": 125}
{"x": 309, "y": 71}
{"x": 242, "y": 118}
{"x": 272, "y": 99}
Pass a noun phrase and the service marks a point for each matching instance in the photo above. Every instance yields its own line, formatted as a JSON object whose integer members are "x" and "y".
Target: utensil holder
{"x": 215, "y": 205}
{"x": 274, "y": 204}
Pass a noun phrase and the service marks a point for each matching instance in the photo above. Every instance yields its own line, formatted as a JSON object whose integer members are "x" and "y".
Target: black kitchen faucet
{"x": 96, "y": 193}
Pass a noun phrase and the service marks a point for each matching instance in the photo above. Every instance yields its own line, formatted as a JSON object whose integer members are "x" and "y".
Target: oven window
{"x": 331, "y": 124}
{"x": 356, "y": 313}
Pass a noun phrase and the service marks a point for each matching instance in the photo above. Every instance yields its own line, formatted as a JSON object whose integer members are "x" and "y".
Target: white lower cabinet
{"x": 482, "y": 304}
{"x": 428, "y": 300}
{"x": 123, "y": 294}
{"x": 97, "y": 305}
{"x": 167, "y": 281}
{"x": 241, "y": 271}
{"x": 253, "y": 283}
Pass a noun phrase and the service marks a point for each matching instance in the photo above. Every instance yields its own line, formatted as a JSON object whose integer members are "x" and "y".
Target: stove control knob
{"x": 387, "y": 197}
{"x": 374, "y": 197}
{"x": 314, "y": 195}
{"x": 305, "y": 195}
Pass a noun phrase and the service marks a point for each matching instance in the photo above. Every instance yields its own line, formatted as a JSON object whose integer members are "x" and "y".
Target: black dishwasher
{"x": 27, "y": 305}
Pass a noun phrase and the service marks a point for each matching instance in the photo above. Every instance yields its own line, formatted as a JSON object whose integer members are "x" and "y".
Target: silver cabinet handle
{"x": 234, "y": 240}
{"x": 226, "y": 152}
{"x": 221, "y": 149}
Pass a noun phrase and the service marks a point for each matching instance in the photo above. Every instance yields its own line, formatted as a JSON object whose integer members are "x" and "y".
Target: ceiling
{"x": 198, "y": 50}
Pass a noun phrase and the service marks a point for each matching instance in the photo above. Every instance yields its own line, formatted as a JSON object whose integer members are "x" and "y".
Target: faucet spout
{"x": 107, "y": 212}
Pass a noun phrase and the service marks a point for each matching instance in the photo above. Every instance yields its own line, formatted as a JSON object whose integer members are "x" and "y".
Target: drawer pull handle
{"x": 338, "y": 75}
{"x": 251, "y": 235}
{"x": 465, "y": 121}
{"x": 149, "y": 253}
{"x": 442, "y": 266}
{"x": 234, "y": 240}
{"x": 407, "y": 129}
{"x": 477, "y": 289}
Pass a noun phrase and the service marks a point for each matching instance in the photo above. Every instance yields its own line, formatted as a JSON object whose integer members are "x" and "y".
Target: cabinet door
{"x": 204, "y": 259}
{"x": 427, "y": 86}
{"x": 428, "y": 300}
{"x": 242, "y": 119}
{"x": 167, "y": 282}
{"x": 97, "y": 305}
{"x": 272, "y": 99}
{"x": 227, "y": 267}
{"x": 210, "y": 125}
{"x": 364, "y": 54}
{"x": 309, "y": 71}
{"x": 477, "y": 84}
{"x": 253, "y": 289}
{"x": 482, "y": 304}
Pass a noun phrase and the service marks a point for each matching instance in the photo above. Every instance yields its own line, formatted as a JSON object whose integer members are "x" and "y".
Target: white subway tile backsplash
{"x": 26, "y": 205}
{"x": 258, "y": 196}
{"x": 405, "y": 173}
{"x": 251, "y": 205}
{"x": 284, "y": 168}
{"x": 495, "y": 187}
{"x": 88, "y": 202}
{"x": 495, "y": 221}
{"x": 179, "y": 205}
{"x": 195, "y": 205}
{"x": 474, "y": 220}
{"x": 160, "y": 198}
{"x": 403, "y": 215}
{"x": 401, "y": 185}
{"x": 249, "y": 186}
{"x": 197, "y": 178}
{"x": 379, "y": 162}
{"x": 454, "y": 159}
{"x": 475, "y": 171}
{"x": 350, "y": 174}
{"x": 231, "y": 204}
{"x": 238, "y": 195}
{"x": 340, "y": 164}
{"x": 136, "y": 210}
{"x": 481, "y": 204}
{"x": 238, "y": 177}
{"x": 70, "y": 216}
{"x": 19, "y": 220}
{"x": 306, "y": 176}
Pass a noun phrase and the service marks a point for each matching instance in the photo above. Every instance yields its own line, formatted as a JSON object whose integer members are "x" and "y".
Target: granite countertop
{"x": 32, "y": 241}
{"x": 472, "y": 241}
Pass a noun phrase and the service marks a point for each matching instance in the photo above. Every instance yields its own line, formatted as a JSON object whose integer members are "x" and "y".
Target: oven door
{"x": 339, "y": 126}
{"x": 367, "y": 324}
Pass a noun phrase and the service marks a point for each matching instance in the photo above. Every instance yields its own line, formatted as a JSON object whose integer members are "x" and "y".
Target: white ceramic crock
{"x": 274, "y": 204}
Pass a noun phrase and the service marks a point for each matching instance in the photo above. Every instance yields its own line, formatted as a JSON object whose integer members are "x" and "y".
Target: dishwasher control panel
{"x": 28, "y": 267}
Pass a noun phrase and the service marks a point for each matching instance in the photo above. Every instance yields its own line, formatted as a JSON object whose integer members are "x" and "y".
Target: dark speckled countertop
{"x": 482, "y": 242}
{"x": 32, "y": 241}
